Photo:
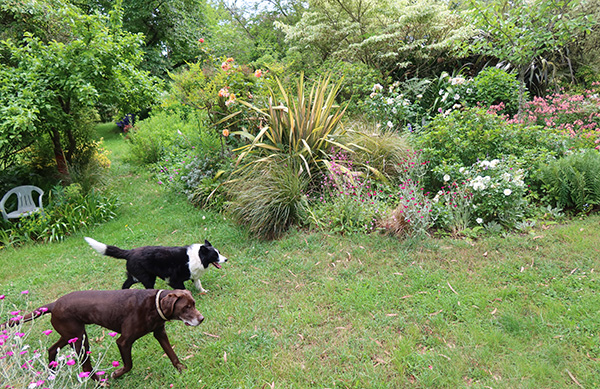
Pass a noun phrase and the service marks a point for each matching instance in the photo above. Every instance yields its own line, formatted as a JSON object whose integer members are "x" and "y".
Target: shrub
{"x": 215, "y": 87}
{"x": 495, "y": 188}
{"x": 576, "y": 116}
{"x": 473, "y": 134}
{"x": 153, "y": 137}
{"x": 494, "y": 86}
{"x": 346, "y": 201}
{"x": 377, "y": 152}
{"x": 357, "y": 81}
{"x": 299, "y": 129}
{"x": 393, "y": 109}
{"x": 269, "y": 198}
{"x": 573, "y": 182}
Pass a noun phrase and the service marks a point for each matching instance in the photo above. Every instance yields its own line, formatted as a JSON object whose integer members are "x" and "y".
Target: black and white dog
{"x": 172, "y": 264}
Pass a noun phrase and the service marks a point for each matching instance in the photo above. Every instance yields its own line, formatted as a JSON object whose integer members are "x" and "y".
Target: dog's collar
{"x": 160, "y": 312}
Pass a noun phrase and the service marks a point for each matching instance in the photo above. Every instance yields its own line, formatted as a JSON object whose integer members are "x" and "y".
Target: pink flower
{"x": 71, "y": 362}
{"x": 2, "y": 297}
{"x": 115, "y": 363}
{"x": 84, "y": 374}
{"x": 25, "y": 292}
{"x": 201, "y": 40}
{"x": 258, "y": 73}
{"x": 53, "y": 364}
{"x": 73, "y": 340}
{"x": 47, "y": 332}
{"x": 113, "y": 334}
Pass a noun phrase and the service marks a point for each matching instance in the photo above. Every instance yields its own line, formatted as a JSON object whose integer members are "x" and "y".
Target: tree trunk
{"x": 522, "y": 71}
{"x": 59, "y": 155}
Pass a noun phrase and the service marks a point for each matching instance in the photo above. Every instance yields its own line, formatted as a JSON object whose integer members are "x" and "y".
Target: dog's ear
{"x": 167, "y": 303}
{"x": 207, "y": 243}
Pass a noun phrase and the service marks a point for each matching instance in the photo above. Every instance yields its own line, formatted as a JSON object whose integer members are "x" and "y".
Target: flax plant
{"x": 302, "y": 128}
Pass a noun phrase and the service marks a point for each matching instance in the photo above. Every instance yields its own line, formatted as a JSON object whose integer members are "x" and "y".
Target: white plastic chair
{"x": 25, "y": 203}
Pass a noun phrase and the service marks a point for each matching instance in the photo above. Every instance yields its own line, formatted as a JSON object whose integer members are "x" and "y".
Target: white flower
{"x": 390, "y": 101}
{"x": 469, "y": 90}
{"x": 390, "y": 124}
{"x": 419, "y": 96}
{"x": 445, "y": 96}
{"x": 479, "y": 220}
{"x": 373, "y": 94}
{"x": 494, "y": 163}
{"x": 377, "y": 88}
{"x": 456, "y": 96}
{"x": 446, "y": 178}
{"x": 507, "y": 192}
{"x": 441, "y": 92}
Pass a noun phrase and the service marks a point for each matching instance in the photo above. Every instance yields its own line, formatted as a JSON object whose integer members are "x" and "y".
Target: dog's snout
{"x": 200, "y": 318}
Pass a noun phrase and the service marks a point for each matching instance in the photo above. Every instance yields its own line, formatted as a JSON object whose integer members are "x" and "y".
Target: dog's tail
{"x": 18, "y": 319}
{"x": 111, "y": 251}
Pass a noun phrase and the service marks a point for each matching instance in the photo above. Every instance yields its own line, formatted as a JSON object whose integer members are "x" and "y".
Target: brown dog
{"x": 131, "y": 312}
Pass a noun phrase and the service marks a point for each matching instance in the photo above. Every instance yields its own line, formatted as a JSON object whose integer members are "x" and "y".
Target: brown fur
{"x": 130, "y": 312}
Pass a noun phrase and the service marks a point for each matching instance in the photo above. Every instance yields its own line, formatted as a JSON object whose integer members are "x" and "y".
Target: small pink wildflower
{"x": 115, "y": 363}
{"x": 70, "y": 362}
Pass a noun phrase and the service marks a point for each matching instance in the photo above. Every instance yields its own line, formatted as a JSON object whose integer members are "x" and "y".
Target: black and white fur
{"x": 172, "y": 264}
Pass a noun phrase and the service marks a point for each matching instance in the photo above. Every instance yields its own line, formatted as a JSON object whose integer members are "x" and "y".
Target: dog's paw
{"x": 180, "y": 367}
{"x": 117, "y": 373}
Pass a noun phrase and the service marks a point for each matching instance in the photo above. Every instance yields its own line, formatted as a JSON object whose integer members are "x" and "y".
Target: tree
{"x": 171, "y": 29}
{"x": 398, "y": 37}
{"x": 519, "y": 31}
{"x": 47, "y": 87}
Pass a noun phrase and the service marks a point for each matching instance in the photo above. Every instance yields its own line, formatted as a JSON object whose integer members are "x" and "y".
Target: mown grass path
{"x": 324, "y": 311}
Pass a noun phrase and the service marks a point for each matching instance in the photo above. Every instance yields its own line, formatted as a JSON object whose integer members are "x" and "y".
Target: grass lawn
{"x": 326, "y": 311}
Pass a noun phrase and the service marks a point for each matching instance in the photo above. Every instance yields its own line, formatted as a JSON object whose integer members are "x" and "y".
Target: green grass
{"x": 324, "y": 311}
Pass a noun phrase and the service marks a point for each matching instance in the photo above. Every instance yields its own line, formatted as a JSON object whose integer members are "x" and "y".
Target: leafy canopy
{"x": 48, "y": 85}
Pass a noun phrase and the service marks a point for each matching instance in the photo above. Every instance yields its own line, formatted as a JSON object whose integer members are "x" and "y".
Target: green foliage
{"x": 68, "y": 210}
{"x": 573, "y": 182}
{"x": 269, "y": 199}
{"x": 301, "y": 129}
{"x": 171, "y": 30}
{"x": 216, "y": 86}
{"x": 377, "y": 152}
{"x": 357, "y": 81}
{"x": 495, "y": 189}
{"x": 47, "y": 86}
{"x": 346, "y": 201}
{"x": 493, "y": 86}
{"x": 520, "y": 32}
{"x": 574, "y": 115}
{"x": 154, "y": 138}
{"x": 473, "y": 134}
{"x": 392, "y": 37}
